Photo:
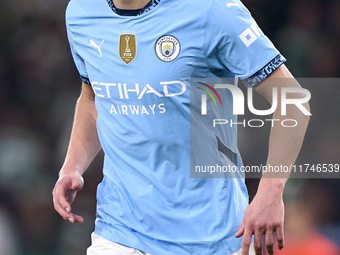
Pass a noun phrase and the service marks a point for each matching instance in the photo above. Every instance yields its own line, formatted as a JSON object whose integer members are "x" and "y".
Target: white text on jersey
{"x": 124, "y": 90}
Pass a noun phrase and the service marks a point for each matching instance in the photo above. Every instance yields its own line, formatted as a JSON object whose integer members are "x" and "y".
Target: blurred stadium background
{"x": 38, "y": 92}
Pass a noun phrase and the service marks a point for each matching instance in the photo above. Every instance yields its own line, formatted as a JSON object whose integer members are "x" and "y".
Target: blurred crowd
{"x": 39, "y": 88}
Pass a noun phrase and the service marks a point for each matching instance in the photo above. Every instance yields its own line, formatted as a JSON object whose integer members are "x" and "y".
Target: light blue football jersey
{"x": 140, "y": 68}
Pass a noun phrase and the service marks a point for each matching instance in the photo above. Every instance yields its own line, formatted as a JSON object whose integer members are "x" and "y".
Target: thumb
{"x": 240, "y": 231}
{"x": 77, "y": 183}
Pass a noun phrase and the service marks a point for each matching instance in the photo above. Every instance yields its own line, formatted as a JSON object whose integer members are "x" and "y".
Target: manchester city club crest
{"x": 167, "y": 48}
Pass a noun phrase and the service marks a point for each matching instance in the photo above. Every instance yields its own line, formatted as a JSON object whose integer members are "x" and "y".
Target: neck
{"x": 130, "y": 4}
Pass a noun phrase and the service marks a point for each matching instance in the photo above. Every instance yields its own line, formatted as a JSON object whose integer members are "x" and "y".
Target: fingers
{"x": 258, "y": 233}
{"x": 63, "y": 195}
{"x": 65, "y": 211}
{"x": 73, "y": 218}
{"x": 76, "y": 219}
{"x": 60, "y": 203}
{"x": 258, "y": 240}
{"x": 240, "y": 231}
{"x": 269, "y": 241}
{"x": 279, "y": 236}
{"x": 60, "y": 197}
{"x": 246, "y": 241}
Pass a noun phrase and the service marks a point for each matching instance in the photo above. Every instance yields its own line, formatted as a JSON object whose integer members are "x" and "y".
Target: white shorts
{"x": 102, "y": 246}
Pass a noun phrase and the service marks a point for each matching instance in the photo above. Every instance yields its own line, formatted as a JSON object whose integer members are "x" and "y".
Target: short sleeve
{"x": 234, "y": 40}
{"x": 78, "y": 60}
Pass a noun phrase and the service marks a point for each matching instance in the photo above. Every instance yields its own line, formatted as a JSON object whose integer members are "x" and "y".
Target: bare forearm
{"x": 285, "y": 142}
{"x": 284, "y": 146}
{"x": 84, "y": 142}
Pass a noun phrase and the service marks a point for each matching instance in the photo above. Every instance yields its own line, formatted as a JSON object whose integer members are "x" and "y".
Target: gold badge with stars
{"x": 127, "y": 47}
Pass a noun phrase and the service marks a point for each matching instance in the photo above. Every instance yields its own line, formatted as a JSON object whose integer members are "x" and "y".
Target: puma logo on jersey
{"x": 232, "y": 4}
{"x": 92, "y": 43}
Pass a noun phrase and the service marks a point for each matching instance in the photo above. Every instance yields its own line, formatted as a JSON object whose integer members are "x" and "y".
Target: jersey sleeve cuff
{"x": 265, "y": 71}
{"x": 85, "y": 80}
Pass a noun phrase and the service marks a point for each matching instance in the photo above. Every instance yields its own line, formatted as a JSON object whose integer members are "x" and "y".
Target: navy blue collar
{"x": 137, "y": 12}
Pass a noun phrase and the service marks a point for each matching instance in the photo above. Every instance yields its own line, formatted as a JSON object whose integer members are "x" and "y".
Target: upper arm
{"x": 234, "y": 42}
{"x": 87, "y": 92}
{"x": 86, "y": 103}
{"x": 280, "y": 78}
{"x": 77, "y": 58}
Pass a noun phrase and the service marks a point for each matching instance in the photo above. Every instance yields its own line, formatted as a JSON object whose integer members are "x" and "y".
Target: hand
{"x": 263, "y": 216}
{"x": 64, "y": 193}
